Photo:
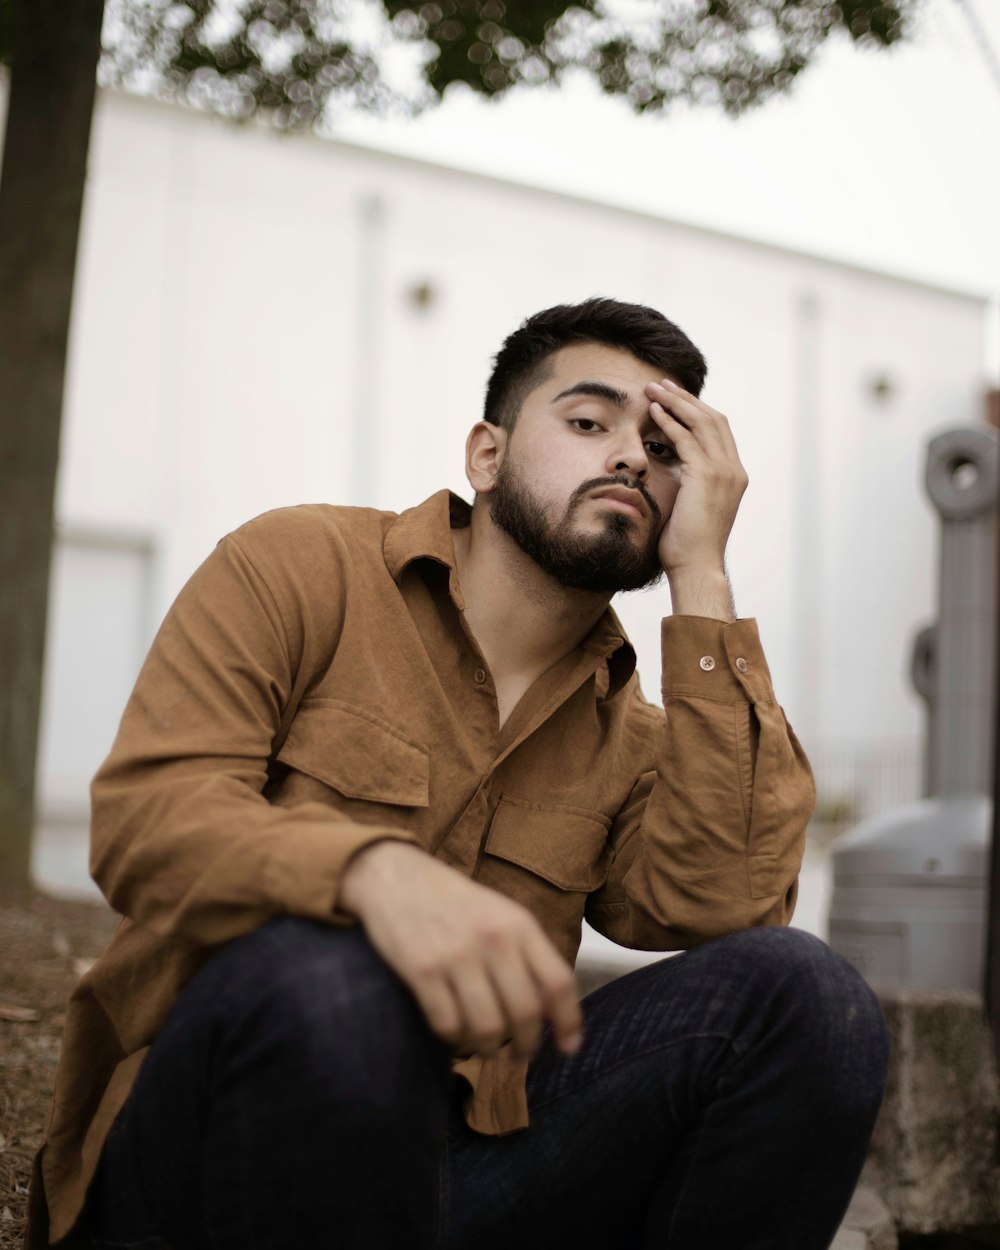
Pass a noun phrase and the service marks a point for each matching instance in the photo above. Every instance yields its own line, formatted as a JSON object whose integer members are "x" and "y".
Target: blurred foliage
{"x": 731, "y": 53}
{"x": 293, "y": 59}
{"x": 836, "y": 809}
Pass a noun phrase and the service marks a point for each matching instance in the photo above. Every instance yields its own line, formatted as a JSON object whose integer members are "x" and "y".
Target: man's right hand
{"x": 478, "y": 963}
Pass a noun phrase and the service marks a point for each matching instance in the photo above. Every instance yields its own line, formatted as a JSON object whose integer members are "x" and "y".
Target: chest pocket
{"x": 548, "y": 857}
{"x": 566, "y": 846}
{"x": 356, "y": 753}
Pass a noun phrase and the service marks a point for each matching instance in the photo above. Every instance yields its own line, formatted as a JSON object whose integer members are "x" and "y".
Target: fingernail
{"x": 670, "y": 386}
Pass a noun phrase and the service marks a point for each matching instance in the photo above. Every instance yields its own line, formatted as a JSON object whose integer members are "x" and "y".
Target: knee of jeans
{"x": 321, "y": 1002}
{"x": 824, "y": 1000}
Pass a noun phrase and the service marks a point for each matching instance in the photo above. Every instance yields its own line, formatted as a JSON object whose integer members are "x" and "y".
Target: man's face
{"x": 588, "y": 480}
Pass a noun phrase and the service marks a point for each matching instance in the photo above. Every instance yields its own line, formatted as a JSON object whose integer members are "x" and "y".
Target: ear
{"x": 484, "y": 453}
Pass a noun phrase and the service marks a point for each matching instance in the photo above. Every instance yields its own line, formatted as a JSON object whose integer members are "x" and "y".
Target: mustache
{"x": 617, "y": 479}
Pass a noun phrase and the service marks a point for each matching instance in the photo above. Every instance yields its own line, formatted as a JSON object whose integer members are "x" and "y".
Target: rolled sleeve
{"x": 711, "y": 839}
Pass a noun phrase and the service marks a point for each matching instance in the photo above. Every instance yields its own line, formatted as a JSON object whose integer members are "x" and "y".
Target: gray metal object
{"x": 909, "y": 897}
{"x": 923, "y": 669}
{"x": 962, "y": 484}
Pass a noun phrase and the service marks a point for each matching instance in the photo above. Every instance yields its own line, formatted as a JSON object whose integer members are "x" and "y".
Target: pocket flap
{"x": 565, "y": 845}
{"x": 357, "y": 753}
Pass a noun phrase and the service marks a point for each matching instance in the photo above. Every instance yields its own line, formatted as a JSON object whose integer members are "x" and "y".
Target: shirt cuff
{"x": 307, "y": 874}
{"x": 711, "y": 659}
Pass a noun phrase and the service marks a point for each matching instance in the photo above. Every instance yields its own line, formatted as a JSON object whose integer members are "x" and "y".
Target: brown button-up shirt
{"x": 316, "y": 687}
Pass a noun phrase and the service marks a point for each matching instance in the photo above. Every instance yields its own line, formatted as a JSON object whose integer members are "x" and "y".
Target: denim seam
{"x": 698, "y": 1138}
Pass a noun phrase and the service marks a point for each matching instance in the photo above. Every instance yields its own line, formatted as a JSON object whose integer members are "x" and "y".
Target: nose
{"x": 628, "y": 455}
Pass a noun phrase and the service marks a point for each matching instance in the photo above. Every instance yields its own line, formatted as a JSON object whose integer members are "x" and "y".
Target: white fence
{"x": 856, "y": 778}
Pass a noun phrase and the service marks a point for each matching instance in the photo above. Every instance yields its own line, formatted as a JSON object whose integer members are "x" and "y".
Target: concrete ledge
{"x": 935, "y": 1156}
{"x": 867, "y": 1225}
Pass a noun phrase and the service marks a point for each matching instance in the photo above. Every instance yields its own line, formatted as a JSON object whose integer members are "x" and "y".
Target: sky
{"x": 888, "y": 159}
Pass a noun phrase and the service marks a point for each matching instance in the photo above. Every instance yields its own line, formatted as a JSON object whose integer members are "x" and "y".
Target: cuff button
{"x": 707, "y": 663}
{"x": 741, "y": 664}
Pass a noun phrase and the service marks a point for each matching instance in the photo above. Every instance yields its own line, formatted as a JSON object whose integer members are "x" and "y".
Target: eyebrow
{"x": 600, "y": 390}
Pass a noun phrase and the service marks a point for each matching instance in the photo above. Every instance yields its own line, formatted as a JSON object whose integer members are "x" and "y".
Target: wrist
{"x": 701, "y": 591}
{"x": 367, "y": 872}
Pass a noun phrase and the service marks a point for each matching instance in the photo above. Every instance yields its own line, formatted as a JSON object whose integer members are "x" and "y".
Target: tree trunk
{"x": 54, "y": 52}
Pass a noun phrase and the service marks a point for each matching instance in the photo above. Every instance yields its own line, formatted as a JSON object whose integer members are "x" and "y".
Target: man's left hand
{"x": 712, "y": 482}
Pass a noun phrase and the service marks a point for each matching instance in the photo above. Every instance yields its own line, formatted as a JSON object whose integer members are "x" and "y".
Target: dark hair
{"x": 520, "y": 364}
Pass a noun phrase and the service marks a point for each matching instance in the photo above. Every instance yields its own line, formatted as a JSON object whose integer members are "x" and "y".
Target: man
{"x": 374, "y": 772}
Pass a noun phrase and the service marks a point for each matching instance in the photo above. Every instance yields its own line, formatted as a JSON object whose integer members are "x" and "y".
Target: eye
{"x": 586, "y": 425}
{"x": 661, "y": 451}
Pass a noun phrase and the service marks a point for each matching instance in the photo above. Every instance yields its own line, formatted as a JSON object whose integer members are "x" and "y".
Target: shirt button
{"x": 480, "y": 675}
{"x": 741, "y": 664}
{"x": 707, "y": 663}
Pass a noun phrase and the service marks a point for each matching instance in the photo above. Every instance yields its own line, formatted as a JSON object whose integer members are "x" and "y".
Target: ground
{"x": 47, "y": 945}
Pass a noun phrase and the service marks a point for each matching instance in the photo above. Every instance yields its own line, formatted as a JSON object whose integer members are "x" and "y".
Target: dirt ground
{"x": 46, "y": 945}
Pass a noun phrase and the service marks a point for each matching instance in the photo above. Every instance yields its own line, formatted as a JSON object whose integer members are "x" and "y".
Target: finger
{"x": 697, "y": 405}
{"x": 559, "y": 996}
{"x": 717, "y": 420}
{"x": 722, "y": 473}
{"x": 712, "y": 426}
{"x": 521, "y": 1000}
{"x": 686, "y": 443}
{"x": 440, "y": 1007}
{"x": 483, "y": 1020}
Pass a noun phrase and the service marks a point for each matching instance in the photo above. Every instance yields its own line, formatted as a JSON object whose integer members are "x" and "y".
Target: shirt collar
{"x": 608, "y": 638}
{"x": 424, "y": 532}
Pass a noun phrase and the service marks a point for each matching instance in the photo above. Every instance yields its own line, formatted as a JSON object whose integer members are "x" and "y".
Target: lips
{"x": 632, "y": 501}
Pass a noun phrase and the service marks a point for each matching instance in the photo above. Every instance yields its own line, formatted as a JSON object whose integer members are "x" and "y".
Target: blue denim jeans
{"x": 295, "y": 1098}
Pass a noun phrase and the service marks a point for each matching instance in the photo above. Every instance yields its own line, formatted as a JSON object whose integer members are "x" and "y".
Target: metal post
{"x": 991, "y": 986}
{"x": 909, "y": 901}
{"x": 961, "y": 481}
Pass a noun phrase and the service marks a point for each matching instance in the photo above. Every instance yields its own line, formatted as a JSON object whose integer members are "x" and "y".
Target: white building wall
{"x": 246, "y": 336}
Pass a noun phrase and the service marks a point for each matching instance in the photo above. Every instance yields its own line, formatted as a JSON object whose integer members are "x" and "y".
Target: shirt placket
{"x": 462, "y": 847}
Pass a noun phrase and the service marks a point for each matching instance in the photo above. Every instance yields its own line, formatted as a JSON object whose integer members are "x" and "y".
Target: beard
{"x": 602, "y": 563}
